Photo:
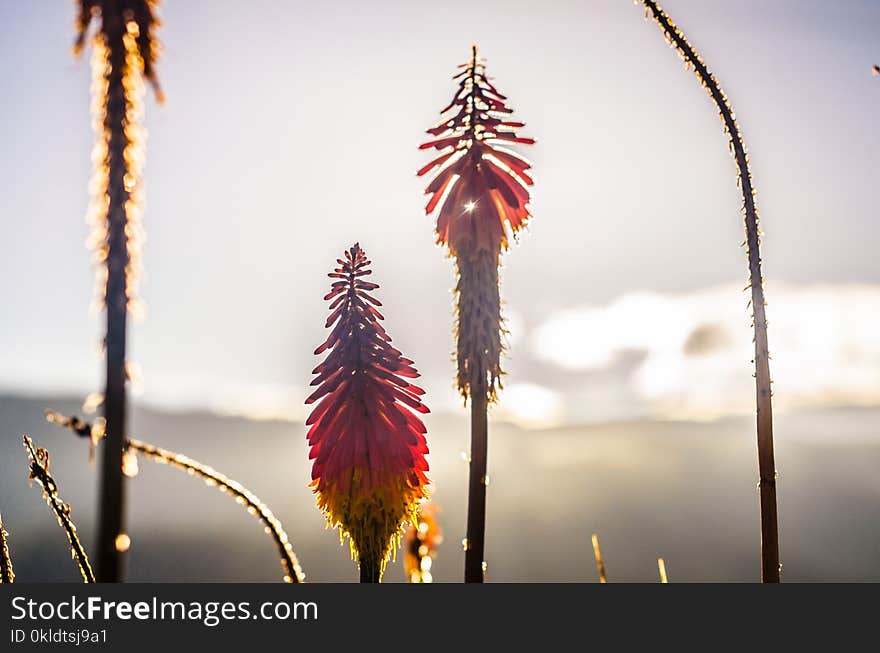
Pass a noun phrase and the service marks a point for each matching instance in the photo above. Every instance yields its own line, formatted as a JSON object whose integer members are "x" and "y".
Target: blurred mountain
{"x": 682, "y": 490}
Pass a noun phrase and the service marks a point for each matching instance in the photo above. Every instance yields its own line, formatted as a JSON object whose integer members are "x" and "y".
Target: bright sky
{"x": 291, "y": 130}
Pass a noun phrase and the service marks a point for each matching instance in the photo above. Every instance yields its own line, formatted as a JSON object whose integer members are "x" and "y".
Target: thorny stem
{"x": 770, "y": 568}
{"x": 6, "y": 573}
{"x": 293, "y": 573}
{"x": 39, "y": 471}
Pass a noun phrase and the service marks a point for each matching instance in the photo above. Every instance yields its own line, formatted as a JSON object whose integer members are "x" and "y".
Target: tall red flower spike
{"x": 480, "y": 192}
{"x": 480, "y": 195}
{"x": 367, "y": 443}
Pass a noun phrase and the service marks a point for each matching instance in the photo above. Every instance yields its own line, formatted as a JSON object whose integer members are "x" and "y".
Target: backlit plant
{"x": 367, "y": 443}
{"x": 480, "y": 196}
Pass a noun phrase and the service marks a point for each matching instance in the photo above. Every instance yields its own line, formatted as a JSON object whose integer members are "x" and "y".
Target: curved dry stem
{"x": 293, "y": 573}
{"x": 39, "y": 472}
{"x": 6, "y": 573}
{"x": 766, "y": 461}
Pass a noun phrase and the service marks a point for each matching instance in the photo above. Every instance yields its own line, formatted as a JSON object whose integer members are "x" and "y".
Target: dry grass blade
{"x": 6, "y": 573}
{"x": 766, "y": 460}
{"x": 293, "y": 573}
{"x": 39, "y": 472}
{"x": 661, "y": 566}
{"x": 600, "y": 565}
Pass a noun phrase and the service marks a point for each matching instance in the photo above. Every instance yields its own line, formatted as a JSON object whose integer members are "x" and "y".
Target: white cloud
{"x": 697, "y": 347}
{"x": 530, "y": 405}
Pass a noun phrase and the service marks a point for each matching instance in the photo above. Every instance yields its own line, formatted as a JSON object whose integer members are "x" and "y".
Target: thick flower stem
{"x": 766, "y": 462}
{"x": 371, "y": 571}
{"x": 476, "y": 518}
{"x": 111, "y": 523}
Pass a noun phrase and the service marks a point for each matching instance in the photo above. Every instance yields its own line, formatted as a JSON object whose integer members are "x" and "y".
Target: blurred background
{"x": 291, "y": 131}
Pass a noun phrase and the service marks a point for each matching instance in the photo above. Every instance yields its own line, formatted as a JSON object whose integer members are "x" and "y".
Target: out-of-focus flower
{"x": 421, "y": 543}
{"x": 141, "y": 12}
{"x": 367, "y": 443}
{"x": 124, "y": 53}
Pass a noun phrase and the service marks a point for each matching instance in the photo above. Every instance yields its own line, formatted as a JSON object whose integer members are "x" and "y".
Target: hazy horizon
{"x": 632, "y": 483}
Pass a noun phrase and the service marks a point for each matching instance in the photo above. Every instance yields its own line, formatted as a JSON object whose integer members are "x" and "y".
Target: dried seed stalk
{"x": 293, "y": 573}
{"x": 661, "y": 567}
{"x": 39, "y": 472}
{"x": 6, "y": 573}
{"x": 766, "y": 461}
{"x": 600, "y": 564}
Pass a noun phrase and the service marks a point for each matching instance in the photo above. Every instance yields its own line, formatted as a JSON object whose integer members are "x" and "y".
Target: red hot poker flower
{"x": 367, "y": 443}
{"x": 480, "y": 190}
{"x": 480, "y": 193}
